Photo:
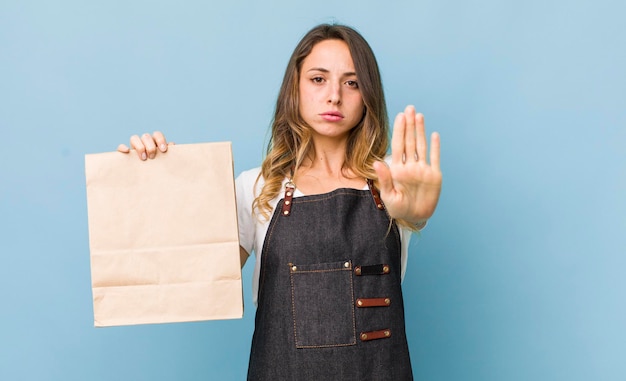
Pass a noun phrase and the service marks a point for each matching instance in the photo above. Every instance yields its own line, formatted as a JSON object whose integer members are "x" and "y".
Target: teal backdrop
{"x": 518, "y": 276}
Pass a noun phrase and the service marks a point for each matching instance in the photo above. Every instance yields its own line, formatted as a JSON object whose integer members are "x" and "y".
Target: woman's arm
{"x": 243, "y": 255}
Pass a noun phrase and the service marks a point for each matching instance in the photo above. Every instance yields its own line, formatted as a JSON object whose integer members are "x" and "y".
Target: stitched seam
{"x": 326, "y": 346}
{"x": 293, "y": 310}
{"x": 300, "y": 199}
{"x": 318, "y": 271}
{"x": 263, "y": 253}
{"x": 353, "y": 307}
{"x": 397, "y": 234}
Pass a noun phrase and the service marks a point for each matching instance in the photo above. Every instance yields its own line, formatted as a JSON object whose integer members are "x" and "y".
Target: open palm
{"x": 410, "y": 185}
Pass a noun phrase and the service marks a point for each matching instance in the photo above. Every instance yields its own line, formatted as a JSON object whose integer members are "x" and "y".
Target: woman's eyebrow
{"x": 323, "y": 70}
{"x": 319, "y": 69}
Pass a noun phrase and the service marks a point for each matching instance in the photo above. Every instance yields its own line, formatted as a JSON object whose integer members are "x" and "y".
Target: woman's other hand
{"x": 146, "y": 146}
{"x": 410, "y": 185}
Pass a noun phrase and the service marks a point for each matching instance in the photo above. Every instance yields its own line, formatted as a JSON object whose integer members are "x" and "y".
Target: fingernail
{"x": 143, "y": 156}
{"x": 163, "y": 147}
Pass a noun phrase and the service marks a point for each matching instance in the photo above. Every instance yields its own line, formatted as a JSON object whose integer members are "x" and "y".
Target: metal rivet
{"x": 293, "y": 268}
{"x": 346, "y": 265}
{"x": 363, "y": 336}
{"x": 387, "y": 333}
{"x": 359, "y": 302}
{"x": 286, "y": 212}
{"x": 380, "y": 206}
{"x": 387, "y": 301}
{"x": 288, "y": 194}
{"x": 287, "y": 202}
{"x": 386, "y": 269}
{"x": 357, "y": 270}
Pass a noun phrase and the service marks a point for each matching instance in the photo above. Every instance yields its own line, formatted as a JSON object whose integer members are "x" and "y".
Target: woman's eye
{"x": 317, "y": 79}
{"x": 353, "y": 84}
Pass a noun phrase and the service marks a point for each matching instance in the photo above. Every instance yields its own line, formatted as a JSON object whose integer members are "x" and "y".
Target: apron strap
{"x": 375, "y": 194}
{"x": 289, "y": 189}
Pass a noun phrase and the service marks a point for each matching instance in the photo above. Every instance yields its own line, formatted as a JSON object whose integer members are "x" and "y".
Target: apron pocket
{"x": 322, "y": 303}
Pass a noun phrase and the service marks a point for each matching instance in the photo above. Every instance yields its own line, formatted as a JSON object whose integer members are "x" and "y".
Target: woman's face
{"x": 330, "y": 99}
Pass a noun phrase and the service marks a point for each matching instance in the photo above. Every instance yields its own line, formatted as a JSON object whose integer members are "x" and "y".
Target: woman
{"x": 329, "y": 220}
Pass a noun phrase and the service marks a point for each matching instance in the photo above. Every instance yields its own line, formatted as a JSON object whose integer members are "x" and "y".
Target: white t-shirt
{"x": 252, "y": 228}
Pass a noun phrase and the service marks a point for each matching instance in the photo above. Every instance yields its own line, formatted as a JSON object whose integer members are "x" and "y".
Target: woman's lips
{"x": 332, "y": 116}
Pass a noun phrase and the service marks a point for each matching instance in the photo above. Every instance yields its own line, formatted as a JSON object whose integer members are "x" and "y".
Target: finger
{"x": 397, "y": 139}
{"x": 435, "y": 148}
{"x": 123, "y": 148}
{"x": 148, "y": 142}
{"x": 160, "y": 141}
{"x": 137, "y": 144}
{"x": 385, "y": 184}
{"x": 420, "y": 136}
{"x": 409, "y": 134}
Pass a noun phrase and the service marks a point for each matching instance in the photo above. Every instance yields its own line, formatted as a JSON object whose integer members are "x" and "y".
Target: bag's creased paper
{"x": 163, "y": 236}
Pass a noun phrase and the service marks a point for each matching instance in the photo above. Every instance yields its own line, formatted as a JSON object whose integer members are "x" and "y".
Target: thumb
{"x": 384, "y": 177}
{"x": 123, "y": 148}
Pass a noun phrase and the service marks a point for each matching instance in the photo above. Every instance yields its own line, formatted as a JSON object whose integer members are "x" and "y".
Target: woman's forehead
{"x": 329, "y": 55}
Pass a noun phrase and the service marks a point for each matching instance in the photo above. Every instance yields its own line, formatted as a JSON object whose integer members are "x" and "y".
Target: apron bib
{"x": 330, "y": 302}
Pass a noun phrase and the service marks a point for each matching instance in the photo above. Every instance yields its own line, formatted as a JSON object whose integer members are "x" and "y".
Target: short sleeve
{"x": 244, "y": 187}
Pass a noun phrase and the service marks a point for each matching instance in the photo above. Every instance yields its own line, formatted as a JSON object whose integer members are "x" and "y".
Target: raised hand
{"x": 410, "y": 185}
{"x": 146, "y": 145}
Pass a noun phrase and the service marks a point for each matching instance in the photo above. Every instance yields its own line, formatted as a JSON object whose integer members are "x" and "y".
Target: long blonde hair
{"x": 291, "y": 142}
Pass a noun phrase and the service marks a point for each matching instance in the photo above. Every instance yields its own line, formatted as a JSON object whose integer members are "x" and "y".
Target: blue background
{"x": 518, "y": 276}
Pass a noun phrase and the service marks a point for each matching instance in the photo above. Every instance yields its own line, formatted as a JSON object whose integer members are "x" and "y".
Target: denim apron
{"x": 330, "y": 303}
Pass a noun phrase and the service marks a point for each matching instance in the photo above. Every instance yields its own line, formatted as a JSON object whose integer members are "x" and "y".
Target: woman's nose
{"x": 334, "y": 96}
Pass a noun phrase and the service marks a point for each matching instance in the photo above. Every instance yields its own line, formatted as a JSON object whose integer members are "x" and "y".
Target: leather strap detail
{"x": 374, "y": 335}
{"x": 375, "y": 195}
{"x": 381, "y": 269}
{"x": 373, "y": 302}
{"x": 287, "y": 201}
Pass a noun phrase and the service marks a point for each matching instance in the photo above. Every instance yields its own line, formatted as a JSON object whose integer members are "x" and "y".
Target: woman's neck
{"x": 324, "y": 170}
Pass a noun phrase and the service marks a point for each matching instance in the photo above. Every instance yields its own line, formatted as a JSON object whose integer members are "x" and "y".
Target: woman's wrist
{"x": 421, "y": 224}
